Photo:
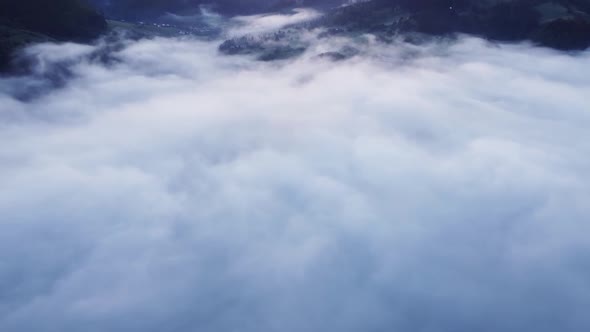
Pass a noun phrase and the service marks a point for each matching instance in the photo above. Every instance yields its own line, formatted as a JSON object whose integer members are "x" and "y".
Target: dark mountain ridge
{"x": 60, "y": 19}
{"x": 151, "y": 9}
{"x": 560, "y": 24}
{"x": 26, "y": 21}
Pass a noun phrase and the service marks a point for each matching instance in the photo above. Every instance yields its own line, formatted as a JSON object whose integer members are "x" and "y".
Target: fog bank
{"x": 441, "y": 187}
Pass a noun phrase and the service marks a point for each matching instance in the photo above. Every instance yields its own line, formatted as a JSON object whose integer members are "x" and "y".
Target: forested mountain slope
{"x": 26, "y": 21}
{"x": 561, "y": 24}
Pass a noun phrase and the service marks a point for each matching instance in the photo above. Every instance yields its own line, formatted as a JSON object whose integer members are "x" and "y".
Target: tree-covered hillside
{"x": 149, "y": 9}
{"x": 25, "y": 21}
{"x": 561, "y": 24}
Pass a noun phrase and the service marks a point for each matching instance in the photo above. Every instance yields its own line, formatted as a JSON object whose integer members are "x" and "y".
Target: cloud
{"x": 263, "y": 23}
{"x": 441, "y": 187}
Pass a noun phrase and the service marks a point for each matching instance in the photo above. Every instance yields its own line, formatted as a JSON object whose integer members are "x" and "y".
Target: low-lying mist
{"x": 440, "y": 187}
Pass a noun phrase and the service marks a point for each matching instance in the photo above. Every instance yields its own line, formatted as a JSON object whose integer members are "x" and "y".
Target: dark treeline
{"x": 146, "y": 9}
{"x": 68, "y": 19}
{"x": 27, "y": 21}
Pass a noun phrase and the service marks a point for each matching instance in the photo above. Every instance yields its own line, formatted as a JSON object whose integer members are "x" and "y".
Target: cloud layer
{"x": 264, "y": 23}
{"x": 442, "y": 187}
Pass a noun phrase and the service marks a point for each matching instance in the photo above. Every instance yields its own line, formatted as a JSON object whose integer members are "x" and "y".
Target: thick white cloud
{"x": 263, "y": 23}
{"x": 435, "y": 188}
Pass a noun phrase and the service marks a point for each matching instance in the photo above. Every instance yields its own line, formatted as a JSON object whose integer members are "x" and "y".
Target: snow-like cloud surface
{"x": 263, "y": 23}
{"x": 432, "y": 188}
